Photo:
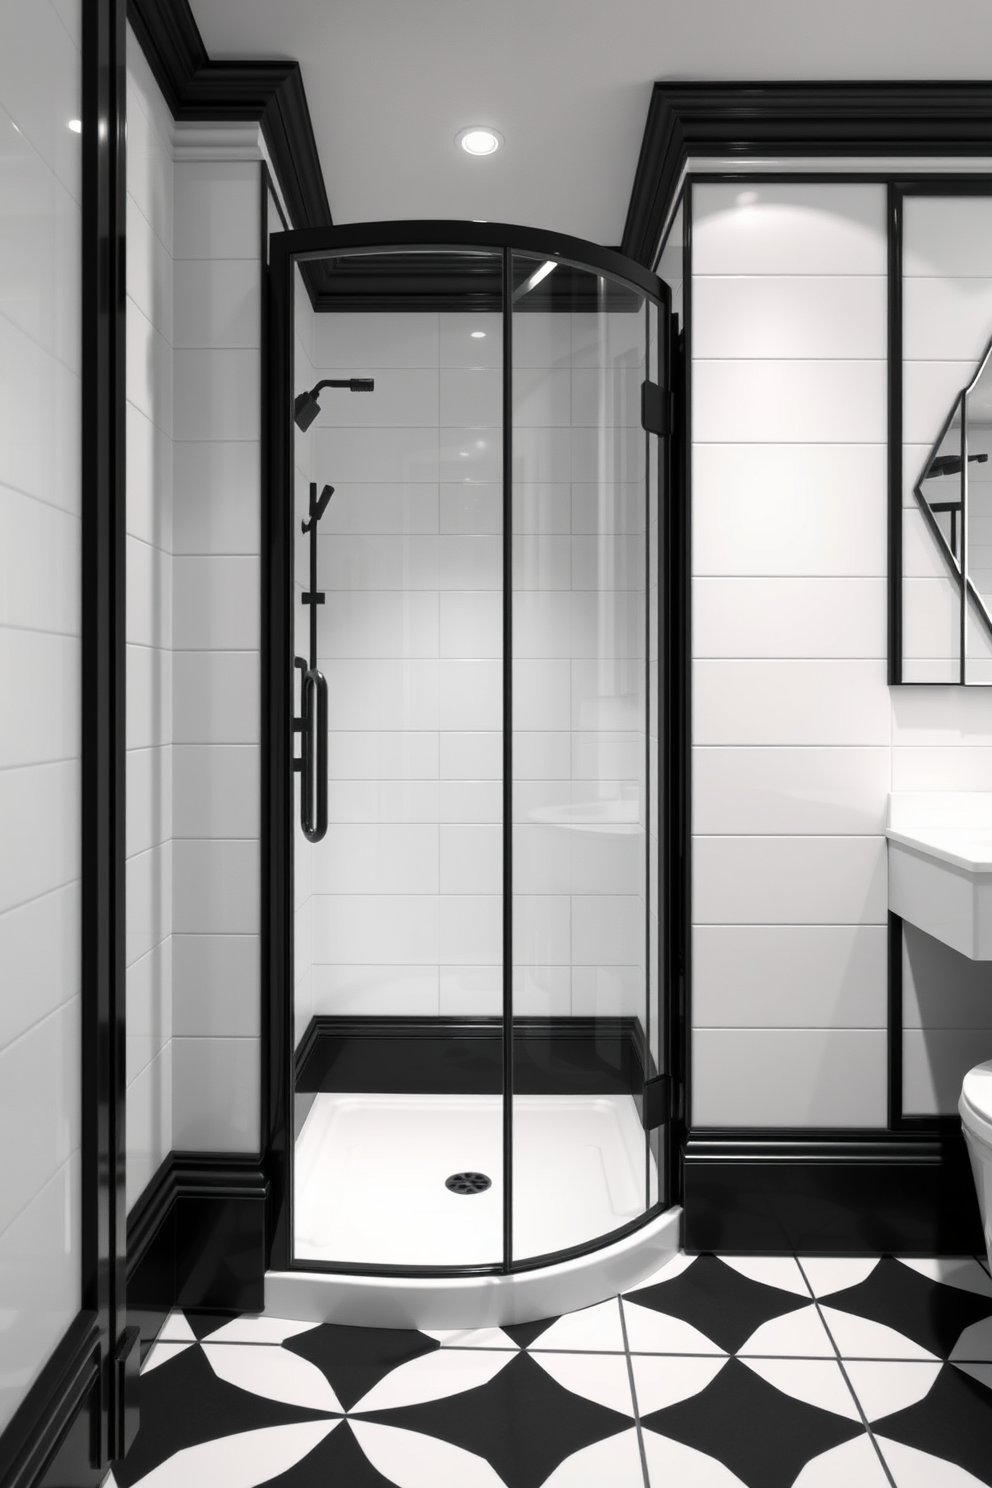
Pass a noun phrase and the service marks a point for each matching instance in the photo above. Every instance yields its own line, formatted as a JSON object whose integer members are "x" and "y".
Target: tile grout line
{"x": 633, "y": 1393}
{"x": 847, "y": 1377}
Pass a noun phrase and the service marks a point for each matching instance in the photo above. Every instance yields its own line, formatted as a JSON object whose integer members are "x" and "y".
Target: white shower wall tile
{"x": 807, "y": 402}
{"x": 789, "y": 976}
{"x": 377, "y": 858}
{"x": 217, "y": 790}
{"x": 789, "y": 1077}
{"x": 217, "y": 303}
{"x": 800, "y": 315}
{"x": 216, "y": 603}
{"x": 783, "y": 617}
{"x": 375, "y": 991}
{"x": 216, "y": 887}
{"x": 740, "y": 791}
{"x": 149, "y": 798}
{"x": 32, "y": 735}
{"x": 39, "y": 807}
{"x": 470, "y": 929}
{"x": 821, "y": 702}
{"x": 216, "y": 985}
{"x": 40, "y": 953}
{"x": 789, "y": 881}
{"x": 217, "y": 394}
{"x": 149, "y": 1134}
{"x": 375, "y": 929}
{"x": 789, "y": 228}
{"x": 216, "y": 497}
{"x": 37, "y": 1132}
{"x": 216, "y": 698}
{"x": 216, "y": 1084}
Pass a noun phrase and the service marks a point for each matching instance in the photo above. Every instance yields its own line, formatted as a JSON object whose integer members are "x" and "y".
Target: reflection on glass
{"x": 581, "y": 1161}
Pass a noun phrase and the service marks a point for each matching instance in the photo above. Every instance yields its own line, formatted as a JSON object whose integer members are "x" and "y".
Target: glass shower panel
{"x": 581, "y": 1162}
{"x": 398, "y": 1074}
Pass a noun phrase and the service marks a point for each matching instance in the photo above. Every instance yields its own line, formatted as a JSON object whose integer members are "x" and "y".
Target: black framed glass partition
{"x": 468, "y": 1019}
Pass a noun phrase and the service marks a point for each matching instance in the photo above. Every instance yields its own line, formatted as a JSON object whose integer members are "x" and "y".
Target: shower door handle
{"x": 312, "y": 764}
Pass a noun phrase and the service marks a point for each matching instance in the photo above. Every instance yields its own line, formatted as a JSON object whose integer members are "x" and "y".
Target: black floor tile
{"x": 953, "y": 1421}
{"x": 930, "y": 1313}
{"x": 724, "y": 1305}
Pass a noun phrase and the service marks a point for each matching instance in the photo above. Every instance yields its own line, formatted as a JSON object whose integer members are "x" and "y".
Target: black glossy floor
{"x": 717, "y": 1372}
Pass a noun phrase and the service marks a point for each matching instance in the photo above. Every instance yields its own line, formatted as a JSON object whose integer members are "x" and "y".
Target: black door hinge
{"x": 655, "y": 409}
{"x": 656, "y": 1102}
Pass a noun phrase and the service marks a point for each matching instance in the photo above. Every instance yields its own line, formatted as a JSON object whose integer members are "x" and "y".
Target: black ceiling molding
{"x": 753, "y": 120}
{"x": 269, "y": 93}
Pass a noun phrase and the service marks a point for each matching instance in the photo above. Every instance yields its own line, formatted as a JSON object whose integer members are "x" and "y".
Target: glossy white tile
{"x": 788, "y": 228}
{"x": 216, "y": 603}
{"x": 780, "y": 617}
{"x": 789, "y": 976}
{"x": 801, "y": 316}
{"x": 791, "y": 702}
{"x": 216, "y": 888}
{"x": 216, "y": 985}
{"x": 216, "y": 1093}
{"x": 789, "y": 880}
{"x": 216, "y": 697}
{"x": 789, "y": 1077}
{"x": 216, "y": 210}
{"x": 376, "y": 929}
{"x": 805, "y": 402}
{"x": 216, "y": 497}
{"x": 739, "y": 791}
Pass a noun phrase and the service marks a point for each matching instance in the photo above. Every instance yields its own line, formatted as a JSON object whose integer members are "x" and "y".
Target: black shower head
{"x": 306, "y": 407}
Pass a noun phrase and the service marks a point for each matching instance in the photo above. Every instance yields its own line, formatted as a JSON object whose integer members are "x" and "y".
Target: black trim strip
{"x": 103, "y": 290}
{"x": 507, "y": 835}
{"x": 832, "y": 1192}
{"x": 748, "y": 121}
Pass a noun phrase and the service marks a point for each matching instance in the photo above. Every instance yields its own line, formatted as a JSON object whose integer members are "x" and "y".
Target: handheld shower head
{"x": 306, "y": 407}
{"x": 318, "y": 506}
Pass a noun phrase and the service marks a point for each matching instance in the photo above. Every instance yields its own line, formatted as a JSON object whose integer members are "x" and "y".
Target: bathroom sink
{"x": 940, "y": 866}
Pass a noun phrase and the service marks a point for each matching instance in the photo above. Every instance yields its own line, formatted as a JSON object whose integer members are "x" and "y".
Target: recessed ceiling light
{"x": 479, "y": 140}
{"x": 478, "y": 335}
{"x": 76, "y": 125}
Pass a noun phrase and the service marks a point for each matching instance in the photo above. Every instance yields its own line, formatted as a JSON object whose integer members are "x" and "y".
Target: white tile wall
{"x": 216, "y": 677}
{"x": 40, "y": 82}
{"x": 406, "y": 910}
{"x": 149, "y": 627}
{"x": 792, "y": 722}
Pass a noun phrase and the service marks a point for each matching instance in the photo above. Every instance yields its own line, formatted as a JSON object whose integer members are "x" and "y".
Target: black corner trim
{"x": 750, "y": 120}
{"x": 54, "y": 1402}
{"x": 838, "y": 1192}
{"x": 270, "y": 92}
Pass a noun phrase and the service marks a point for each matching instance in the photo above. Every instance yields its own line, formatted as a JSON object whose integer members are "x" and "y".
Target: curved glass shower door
{"x": 465, "y": 545}
{"x": 583, "y": 877}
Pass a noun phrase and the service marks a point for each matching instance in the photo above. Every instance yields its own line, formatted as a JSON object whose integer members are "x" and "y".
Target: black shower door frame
{"x": 303, "y": 246}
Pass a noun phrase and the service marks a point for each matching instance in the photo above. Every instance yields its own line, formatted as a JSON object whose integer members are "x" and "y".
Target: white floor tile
{"x": 274, "y": 1372}
{"x": 615, "y": 1461}
{"x": 241, "y": 1461}
{"x": 411, "y": 1460}
{"x": 818, "y": 1382}
{"x": 595, "y": 1328}
{"x": 827, "y": 1274}
{"x": 669, "y": 1270}
{"x": 660, "y": 1382}
{"x": 650, "y": 1332}
{"x": 161, "y": 1353}
{"x": 603, "y": 1378}
{"x": 913, "y": 1469}
{"x": 176, "y": 1329}
{"x": 434, "y": 1376}
{"x": 855, "y": 1464}
{"x": 249, "y": 1329}
{"x": 799, "y": 1334}
{"x": 955, "y": 1271}
{"x": 884, "y": 1386}
{"x": 860, "y": 1338}
{"x": 471, "y": 1338}
{"x": 670, "y": 1462}
{"x": 776, "y": 1271}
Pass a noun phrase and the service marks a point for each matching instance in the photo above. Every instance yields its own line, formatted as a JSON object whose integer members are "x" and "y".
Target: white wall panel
{"x": 803, "y": 1077}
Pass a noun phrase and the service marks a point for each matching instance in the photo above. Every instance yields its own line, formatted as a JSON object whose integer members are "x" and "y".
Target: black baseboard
{"x": 196, "y": 1239}
{"x": 837, "y": 1193}
{"x": 464, "y": 1056}
{"x": 51, "y": 1439}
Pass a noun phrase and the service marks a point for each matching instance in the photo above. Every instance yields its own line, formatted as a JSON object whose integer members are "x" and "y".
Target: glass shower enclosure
{"x": 467, "y": 850}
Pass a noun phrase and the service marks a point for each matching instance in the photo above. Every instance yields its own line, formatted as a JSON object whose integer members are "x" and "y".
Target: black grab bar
{"x": 312, "y": 763}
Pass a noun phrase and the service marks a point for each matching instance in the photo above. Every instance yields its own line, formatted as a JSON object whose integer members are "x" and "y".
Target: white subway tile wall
{"x": 406, "y": 906}
{"x": 216, "y": 640}
{"x": 149, "y": 626}
{"x": 791, "y": 713}
{"x": 796, "y": 739}
{"x": 40, "y": 1052}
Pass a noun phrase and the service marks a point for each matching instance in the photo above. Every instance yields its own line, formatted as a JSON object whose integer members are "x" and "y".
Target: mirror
{"x": 954, "y": 491}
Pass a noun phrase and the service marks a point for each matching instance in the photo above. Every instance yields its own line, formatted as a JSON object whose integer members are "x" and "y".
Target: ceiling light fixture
{"x": 478, "y": 335}
{"x": 479, "y": 140}
{"x": 76, "y": 125}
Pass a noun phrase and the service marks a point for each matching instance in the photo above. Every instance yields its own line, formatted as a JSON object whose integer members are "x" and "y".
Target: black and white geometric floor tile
{"x": 732, "y": 1372}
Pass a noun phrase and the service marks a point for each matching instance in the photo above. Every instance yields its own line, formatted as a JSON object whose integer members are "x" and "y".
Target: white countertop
{"x": 966, "y": 848}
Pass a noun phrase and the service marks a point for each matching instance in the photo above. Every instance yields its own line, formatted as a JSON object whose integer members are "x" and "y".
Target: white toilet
{"x": 975, "y": 1107}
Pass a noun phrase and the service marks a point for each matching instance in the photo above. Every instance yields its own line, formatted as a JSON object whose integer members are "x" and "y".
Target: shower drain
{"x": 468, "y": 1183}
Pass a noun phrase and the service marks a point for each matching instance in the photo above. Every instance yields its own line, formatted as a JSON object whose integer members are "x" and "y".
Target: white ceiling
{"x": 567, "y": 82}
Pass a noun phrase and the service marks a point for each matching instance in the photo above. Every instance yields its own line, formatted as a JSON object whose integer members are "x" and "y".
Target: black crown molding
{"x": 751, "y": 120}
{"x": 270, "y": 93}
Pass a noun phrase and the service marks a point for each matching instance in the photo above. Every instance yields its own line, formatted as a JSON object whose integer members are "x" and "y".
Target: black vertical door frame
{"x": 103, "y": 1239}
